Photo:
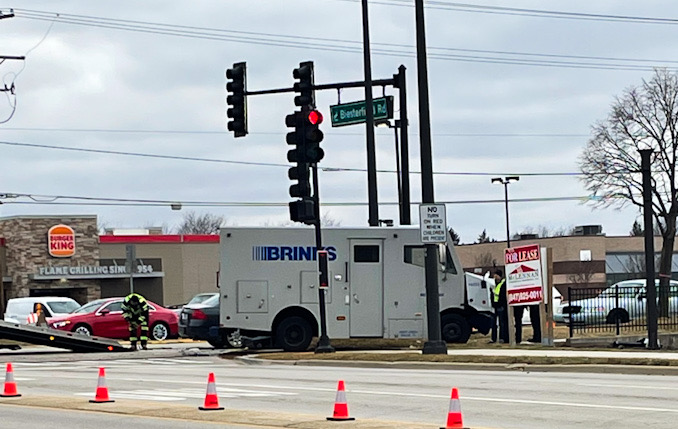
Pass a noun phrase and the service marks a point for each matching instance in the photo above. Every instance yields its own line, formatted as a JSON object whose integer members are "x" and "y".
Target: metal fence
{"x": 615, "y": 310}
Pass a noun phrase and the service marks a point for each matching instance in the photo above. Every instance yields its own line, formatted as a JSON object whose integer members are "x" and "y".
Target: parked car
{"x": 18, "y": 309}
{"x": 103, "y": 318}
{"x": 200, "y": 321}
{"x": 195, "y": 300}
{"x": 621, "y": 302}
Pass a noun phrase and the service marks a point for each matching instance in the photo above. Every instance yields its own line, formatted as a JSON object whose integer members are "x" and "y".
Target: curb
{"x": 521, "y": 367}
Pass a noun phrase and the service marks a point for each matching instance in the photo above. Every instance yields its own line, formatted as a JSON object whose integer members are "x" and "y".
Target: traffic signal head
{"x": 313, "y": 136}
{"x": 302, "y": 174}
{"x": 237, "y": 99}
{"x": 304, "y": 85}
{"x": 303, "y": 210}
{"x": 306, "y": 136}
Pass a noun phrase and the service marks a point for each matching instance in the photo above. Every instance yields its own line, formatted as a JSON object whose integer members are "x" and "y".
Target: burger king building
{"x": 66, "y": 256}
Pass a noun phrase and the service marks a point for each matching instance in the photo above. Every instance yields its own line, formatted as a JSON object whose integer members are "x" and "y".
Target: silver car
{"x": 621, "y": 302}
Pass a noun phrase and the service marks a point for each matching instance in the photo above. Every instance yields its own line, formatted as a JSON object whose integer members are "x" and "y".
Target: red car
{"x": 103, "y": 318}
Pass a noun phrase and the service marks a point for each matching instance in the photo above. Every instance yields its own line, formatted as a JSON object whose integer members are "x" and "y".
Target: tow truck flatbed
{"x": 56, "y": 338}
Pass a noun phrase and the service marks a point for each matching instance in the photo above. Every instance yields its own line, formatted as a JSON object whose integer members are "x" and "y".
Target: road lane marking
{"x": 420, "y": 395}
{"x": 185, "y": 394}
{"x": 628, "y": 386}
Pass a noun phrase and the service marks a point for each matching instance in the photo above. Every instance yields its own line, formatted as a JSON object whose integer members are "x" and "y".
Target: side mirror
{"x": 483, "y": 284}
{"x": 105, "y": 311}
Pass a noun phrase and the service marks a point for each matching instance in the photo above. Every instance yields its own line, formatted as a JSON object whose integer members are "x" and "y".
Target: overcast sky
{"x": 86, "y": 84}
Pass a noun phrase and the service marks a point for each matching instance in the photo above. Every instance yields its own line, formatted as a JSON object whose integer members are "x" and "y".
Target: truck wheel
{"x": 294, "y": 334}
{"x": 455, "y": 329}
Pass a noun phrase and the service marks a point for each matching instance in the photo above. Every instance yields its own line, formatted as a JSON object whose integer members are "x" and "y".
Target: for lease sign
{"x": 523, "y": 275}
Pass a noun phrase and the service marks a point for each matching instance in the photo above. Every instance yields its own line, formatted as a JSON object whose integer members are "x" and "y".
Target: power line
{"x": 347, "y": 46}
{"x": 216, "y": 132}
{"x": 539, "y": 13}
{"x": 102, "y": 201}
{"x": 264, "y": 164}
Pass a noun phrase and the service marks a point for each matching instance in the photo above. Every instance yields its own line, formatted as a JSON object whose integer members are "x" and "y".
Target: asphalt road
{"x": 489, "y": 399}
{"x": 18, "y": 417}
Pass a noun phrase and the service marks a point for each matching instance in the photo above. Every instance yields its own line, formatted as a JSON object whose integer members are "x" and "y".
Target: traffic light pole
{"x": 324, "y": 345}
{"x": 401, "y": 83}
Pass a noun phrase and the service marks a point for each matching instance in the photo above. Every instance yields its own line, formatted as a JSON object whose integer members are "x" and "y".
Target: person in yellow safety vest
{"x": 135, "y": 311}
{"x": 500, "y": 306}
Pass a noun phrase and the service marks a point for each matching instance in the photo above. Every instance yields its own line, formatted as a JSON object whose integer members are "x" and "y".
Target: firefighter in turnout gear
{"x": 135, "y": 311}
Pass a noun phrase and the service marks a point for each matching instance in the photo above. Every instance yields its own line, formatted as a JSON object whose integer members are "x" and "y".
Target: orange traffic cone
{"x": 340, "y": 405}
{"x": 211, "y": 398}
{"x": 454, "y": 419}
{"x": 10, "y": 385}
{"x": 101, "y": 395}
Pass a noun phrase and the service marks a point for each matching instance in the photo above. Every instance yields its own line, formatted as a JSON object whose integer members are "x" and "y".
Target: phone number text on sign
{"x": 523, "y": 275}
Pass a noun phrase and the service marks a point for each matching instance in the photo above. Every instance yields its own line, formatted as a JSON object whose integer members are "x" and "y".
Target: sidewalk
{"x": 627, "y": 361}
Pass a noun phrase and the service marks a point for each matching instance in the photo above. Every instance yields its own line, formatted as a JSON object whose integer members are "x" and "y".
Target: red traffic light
{"x": 315, "y": 117}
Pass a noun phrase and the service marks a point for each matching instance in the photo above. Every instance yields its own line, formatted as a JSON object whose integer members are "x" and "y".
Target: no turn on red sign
{"x": 432, "y": 223}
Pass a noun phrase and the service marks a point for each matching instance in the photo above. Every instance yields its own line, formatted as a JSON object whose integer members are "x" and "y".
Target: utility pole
{"x": 650, "y": 285}
{"x": 9, "y": 88}
{"x": 434, "y": 344}
{"x": 373, "y": 203}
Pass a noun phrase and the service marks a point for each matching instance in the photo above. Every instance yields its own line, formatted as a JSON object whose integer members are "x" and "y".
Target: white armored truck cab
{"x": 269, "y": 286}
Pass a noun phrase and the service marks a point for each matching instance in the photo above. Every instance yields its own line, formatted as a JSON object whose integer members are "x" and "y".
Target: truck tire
{"x": 455, "y": 329}
{"x": 294, "y": 334}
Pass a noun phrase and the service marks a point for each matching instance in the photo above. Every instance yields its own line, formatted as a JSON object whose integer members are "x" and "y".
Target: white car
{"x": 557, "y": 300}
{"x": 621, "y": 302}
{"x": 18, "y": 309}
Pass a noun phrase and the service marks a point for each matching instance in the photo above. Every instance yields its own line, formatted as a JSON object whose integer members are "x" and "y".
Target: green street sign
{"x": 356, "y": 113}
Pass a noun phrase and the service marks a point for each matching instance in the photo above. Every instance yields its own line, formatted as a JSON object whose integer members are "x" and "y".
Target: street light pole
{"x": 505, "y": 181}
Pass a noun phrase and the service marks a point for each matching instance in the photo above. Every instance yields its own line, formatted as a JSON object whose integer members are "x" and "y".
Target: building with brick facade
{"x": 66, "y": 256}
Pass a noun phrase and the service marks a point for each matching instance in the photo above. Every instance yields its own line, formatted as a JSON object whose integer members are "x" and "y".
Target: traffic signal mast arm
{"x": 341, "y": 85}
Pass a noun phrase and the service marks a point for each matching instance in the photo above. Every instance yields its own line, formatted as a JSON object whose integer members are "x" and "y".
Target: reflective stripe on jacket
{"x": 497, "y": 290}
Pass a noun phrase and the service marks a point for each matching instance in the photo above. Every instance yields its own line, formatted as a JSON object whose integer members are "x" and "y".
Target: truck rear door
{"x": 366, "y": 279}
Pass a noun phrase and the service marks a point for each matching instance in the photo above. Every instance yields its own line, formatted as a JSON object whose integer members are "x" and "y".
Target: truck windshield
{"x": 415, "y": 255}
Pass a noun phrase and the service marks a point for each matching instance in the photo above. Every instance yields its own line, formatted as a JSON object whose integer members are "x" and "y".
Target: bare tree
{"x": 643, "y": 117}
{"x": 207, "y": 223}
{"x": 326, "y": 220}
{"x": 485, "y": 260}
{"x": 635, "y": 264}
{"x": 583, "y": 274}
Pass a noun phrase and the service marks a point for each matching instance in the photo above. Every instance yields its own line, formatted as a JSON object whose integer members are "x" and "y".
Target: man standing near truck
{"x": 500, "y": 306}
{"x": 135, "y": 311}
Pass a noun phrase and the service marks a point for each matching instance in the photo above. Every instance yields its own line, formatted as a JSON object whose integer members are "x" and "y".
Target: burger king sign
{"x": 61, "y": 241}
